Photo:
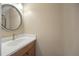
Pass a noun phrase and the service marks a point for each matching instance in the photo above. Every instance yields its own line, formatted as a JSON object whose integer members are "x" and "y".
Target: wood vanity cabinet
{"x": 28, "y": 50}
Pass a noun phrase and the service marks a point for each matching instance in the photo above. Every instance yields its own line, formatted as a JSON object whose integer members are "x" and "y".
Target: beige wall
{"x": 71, "y": 29}
{"x": 45, "y": 20}
{"x": 56, "y": 25}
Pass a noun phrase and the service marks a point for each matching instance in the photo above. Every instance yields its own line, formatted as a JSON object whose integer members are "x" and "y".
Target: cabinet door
{"x": 31, "y": 52}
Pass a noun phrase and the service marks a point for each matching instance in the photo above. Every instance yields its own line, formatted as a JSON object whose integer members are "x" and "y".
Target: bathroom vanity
{"x": 24, "y": 45}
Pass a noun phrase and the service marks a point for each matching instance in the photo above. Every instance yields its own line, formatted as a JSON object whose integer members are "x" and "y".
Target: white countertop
{"x": 12, "y": 46}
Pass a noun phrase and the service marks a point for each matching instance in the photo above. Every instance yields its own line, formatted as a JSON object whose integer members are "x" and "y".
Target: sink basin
{"x": 19, "y": 41}
{"x": 14, "y": 42}
{"x": 11, "y": 46}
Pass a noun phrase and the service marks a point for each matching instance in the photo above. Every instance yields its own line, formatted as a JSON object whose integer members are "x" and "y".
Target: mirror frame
{"x": 19, "y": 13}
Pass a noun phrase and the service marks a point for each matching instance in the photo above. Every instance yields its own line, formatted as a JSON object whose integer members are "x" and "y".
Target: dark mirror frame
{"x": 5, "y": 19}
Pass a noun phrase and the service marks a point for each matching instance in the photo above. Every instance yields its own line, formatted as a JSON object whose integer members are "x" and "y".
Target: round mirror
{"x": 11, "y": 17}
